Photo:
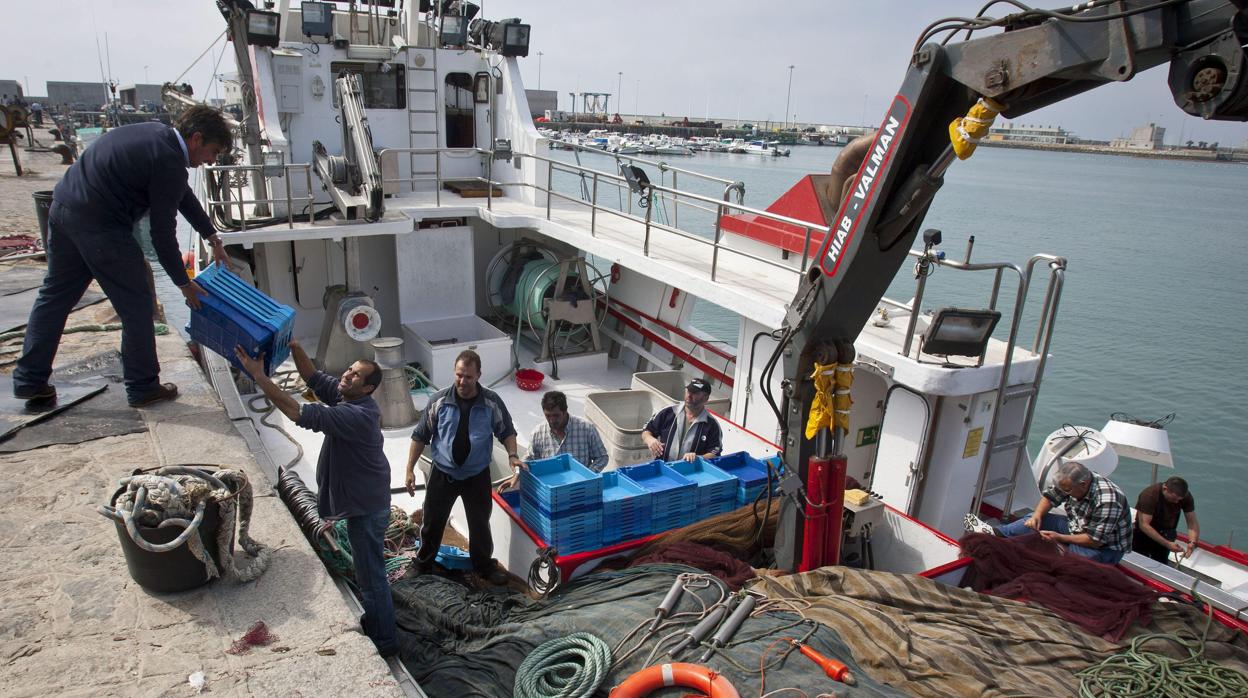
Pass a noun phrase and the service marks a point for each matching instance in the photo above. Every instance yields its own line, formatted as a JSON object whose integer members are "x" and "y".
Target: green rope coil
{"x": 566, "y": 667}
{"x": 1134, "y": 673}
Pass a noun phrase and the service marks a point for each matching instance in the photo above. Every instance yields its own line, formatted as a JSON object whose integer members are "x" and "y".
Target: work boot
{"x": 496, "y": 576}
{"x": 37, "y": 393}
{"x": 166, "y": 391}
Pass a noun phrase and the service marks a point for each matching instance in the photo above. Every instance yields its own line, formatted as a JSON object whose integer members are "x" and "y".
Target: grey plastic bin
{"x": 620, "y": 416}
{"x": 671, "y": 385}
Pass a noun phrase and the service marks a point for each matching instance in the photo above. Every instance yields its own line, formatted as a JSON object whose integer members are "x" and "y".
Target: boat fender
{"x": 682, "y": 674}
{"x": 671, "y": 302}
{"x": 615, "y": 272}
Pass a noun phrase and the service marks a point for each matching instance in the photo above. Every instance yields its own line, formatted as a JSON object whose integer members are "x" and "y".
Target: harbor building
{"x": 1150, "y": 137}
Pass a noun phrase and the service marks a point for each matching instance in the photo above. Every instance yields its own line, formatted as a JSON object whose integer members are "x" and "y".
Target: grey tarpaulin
{"x": 458, "y": 642}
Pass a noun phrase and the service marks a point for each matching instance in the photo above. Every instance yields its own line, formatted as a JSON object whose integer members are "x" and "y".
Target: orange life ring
{"x": 682, "y": 674}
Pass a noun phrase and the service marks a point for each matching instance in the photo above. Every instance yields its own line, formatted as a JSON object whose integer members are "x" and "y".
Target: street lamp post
{"x": 786, "y": 99}
{"x": 539, "y": 70}
{"x": 619, "y": 90}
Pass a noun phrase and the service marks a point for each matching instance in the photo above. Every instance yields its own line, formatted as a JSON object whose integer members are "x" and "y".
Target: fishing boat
{"x": 400, "y": 192}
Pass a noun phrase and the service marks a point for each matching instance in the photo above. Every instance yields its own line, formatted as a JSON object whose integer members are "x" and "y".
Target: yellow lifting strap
{"x": 966, "y": 132}
{"x": 842, "y": 401}
{"x": 821, "y": 407}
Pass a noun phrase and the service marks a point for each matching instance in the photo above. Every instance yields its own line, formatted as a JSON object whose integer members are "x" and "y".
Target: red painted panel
{"x": 801, "y": 203}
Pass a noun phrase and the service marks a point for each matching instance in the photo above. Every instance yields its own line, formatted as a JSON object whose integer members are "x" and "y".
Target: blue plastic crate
{"x": 561, "y": 483}
{"x": 622, "y": 498}
{"x": 453, "y": 558}
{"x": 566, "y": 545}
{"x": 527, "y": 499}
{"x": 713, "y": 484}
{"x": 751, "y": 471}
{"x": 540, "y": 520}
{"x": 234, "y": 313}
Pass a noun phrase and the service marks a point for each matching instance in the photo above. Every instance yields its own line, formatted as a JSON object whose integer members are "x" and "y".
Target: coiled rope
{"x": 567, "y": 667}
{"x": 1134, "y": 673}
{"x": 544, "y": 574}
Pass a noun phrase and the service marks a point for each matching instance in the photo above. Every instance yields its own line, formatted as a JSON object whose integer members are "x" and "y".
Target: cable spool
{"x": 1072, "y": 443}
{"x": 522, "y": 276}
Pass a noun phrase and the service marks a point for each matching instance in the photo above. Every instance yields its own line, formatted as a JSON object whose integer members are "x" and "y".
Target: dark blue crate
{"x": 234, "y": 313}
{"x": 561, "y": 483}
{"x": 574, "y": 543}
{"x": 585, "y": 521}
{"x": 527, "y": 499}
{"x": 750, "y": 471}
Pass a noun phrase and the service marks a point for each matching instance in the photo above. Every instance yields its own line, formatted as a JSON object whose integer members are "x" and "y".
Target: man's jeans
{"x": 367, "y": 534}
{"x": 1052, "y": 522}
{"x": 79, "y": 250}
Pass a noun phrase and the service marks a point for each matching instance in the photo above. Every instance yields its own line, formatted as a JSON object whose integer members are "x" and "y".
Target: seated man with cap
{"x": 685, "y": 430}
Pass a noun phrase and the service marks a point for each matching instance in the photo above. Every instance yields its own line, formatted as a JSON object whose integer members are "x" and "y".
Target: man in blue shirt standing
{"x": 460, "y": 424}
{"x": 129, "y": 172}
{"x": 352, "y": 473}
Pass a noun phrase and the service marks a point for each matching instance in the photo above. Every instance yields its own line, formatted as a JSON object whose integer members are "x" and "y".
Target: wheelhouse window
{"x": 460, "y": 116}
{"x": 384, "y": 84}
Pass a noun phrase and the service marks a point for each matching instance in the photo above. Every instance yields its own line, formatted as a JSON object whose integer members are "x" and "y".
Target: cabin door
{"x": 899, "y": 456}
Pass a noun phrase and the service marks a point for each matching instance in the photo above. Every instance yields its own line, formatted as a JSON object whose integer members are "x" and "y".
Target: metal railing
{"x": 1039, "y": 348}
{"x": 223, "y": 206}
{"x": 722, "y": 206}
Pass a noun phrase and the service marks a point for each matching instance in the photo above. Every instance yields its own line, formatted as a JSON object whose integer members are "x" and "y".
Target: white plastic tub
{"x": 620, "y": 416}
{"x": 436, "y": 343}
{"x": 671, "y": 385}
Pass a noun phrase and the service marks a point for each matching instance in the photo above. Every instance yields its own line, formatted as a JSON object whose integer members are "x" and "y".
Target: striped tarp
{"x": 929, "y": 639}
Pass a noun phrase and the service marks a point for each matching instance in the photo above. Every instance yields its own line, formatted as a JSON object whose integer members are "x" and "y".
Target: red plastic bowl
{"x": 529, "y": 379}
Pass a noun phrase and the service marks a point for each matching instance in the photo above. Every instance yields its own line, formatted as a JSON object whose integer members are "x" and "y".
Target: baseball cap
{"x": 699, "y": 385}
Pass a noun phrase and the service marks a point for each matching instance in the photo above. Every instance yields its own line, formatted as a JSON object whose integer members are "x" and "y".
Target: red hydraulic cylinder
{"x": 835, "y": 510}
{"x": 814, "y": 530}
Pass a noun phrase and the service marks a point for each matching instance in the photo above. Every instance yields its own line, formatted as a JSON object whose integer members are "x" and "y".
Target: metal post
{"x": 593, "y": 206}
{"x": 290, "y": 204}
{"x": 970, "y": 244}
{"x": 806, "y": 249}
{"x": 351, "y": 247}
{"x": 719, "y": 215}
{"x": 437, "y": 174}
{"x": 676, "y": 209}
{"x": 489, "y": 176}
{"x": 645, "y": 250}
{"x": 550, "y": 173}
{"x": 996, "y": 289}
{"x": 924, "y": 262}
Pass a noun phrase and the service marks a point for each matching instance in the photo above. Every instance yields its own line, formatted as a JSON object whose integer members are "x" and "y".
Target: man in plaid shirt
{"x": 1098, "y": 523}
{"x": 563, "y": 433}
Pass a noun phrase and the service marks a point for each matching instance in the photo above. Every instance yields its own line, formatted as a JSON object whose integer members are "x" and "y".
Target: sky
{"x": 727, "y": 59}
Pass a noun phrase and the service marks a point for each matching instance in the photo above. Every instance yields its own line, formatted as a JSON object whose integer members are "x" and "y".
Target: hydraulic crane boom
{"x": 882, "y": 186}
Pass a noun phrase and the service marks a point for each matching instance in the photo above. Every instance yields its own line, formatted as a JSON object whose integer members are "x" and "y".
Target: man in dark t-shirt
{"x": 1157, "y": 520}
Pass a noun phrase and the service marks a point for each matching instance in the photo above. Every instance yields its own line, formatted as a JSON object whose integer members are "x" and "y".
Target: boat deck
{"x": 752, "y": 289}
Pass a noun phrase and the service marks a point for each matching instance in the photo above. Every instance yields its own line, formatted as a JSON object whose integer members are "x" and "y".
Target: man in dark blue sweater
{"x": 352, "y": 473}
{"x": 130, "y": 171}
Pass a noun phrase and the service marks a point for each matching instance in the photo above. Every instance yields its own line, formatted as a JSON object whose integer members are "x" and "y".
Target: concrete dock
{"x": 75, "y": 624}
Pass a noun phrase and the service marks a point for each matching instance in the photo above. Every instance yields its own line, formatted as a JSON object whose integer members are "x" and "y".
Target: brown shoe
{"x": 166, "y": 391}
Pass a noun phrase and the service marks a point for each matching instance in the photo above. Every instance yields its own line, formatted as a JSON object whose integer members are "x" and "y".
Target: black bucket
{"x": 178, "y": 569}
{"x": 43, "y": 205}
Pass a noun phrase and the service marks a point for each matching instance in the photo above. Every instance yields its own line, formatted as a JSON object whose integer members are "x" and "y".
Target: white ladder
{"x": 424, "y": 126}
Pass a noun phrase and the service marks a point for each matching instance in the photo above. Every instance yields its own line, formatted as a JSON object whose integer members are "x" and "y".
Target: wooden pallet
{"x": 470, "y": 189}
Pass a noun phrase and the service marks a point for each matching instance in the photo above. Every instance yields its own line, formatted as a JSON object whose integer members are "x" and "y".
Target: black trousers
{"x": 440, "y": 495}
{"x": 1142, "y": 544}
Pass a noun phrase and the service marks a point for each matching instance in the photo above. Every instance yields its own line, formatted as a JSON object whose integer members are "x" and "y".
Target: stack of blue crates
{"x": 674, "y": 497}
{"x": 562, "y": 501}
{"x": 751, "y": 474}
{"x": 626, "y": 508}
{"x": 236, "y": 314}
{"x": 717, "y": 490}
